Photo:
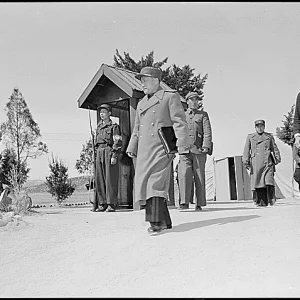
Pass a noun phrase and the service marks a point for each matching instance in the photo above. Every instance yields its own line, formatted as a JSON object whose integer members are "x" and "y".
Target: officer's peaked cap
{"x": 259, "y": 122}
{"x": 106, "y": 106}
{"x": 149, "y": 72}
{"x": 192, "y": 95}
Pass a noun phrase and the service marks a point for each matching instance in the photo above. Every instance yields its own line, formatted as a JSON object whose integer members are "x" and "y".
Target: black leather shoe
{"x": 262, "y": 203}
{"x": 94, "y": 210}
{"x": 165, "y": 226}
{"x": 198, "y": 208}
{"x": 184, "y": 206}
{"x": 272, "y": 201}
{"x": 155, "y": 227}
{"x": 110, "y": 208}
{"x": 102, "y": 207}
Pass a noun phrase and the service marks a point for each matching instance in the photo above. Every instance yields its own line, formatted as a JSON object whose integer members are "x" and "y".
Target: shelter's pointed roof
{"x": 124, "y": 79}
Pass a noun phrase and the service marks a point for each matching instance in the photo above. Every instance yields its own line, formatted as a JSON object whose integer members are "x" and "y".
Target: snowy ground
{"x": 230, "y": 249}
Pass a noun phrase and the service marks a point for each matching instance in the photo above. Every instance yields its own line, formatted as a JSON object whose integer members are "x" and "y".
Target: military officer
{"x": 108, "y": 143}
{"x": 261, "y": 154}
{"x": 191, "y": 169}
{"x": 296, "y": 123}
{"x": 159, "y": 108}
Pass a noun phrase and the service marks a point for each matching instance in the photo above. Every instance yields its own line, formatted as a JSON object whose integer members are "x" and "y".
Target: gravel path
{"x": 230, "y": 249}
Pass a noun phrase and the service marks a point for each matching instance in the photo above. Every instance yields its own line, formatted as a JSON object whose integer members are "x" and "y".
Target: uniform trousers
{"x": 265, "y": 194}
{"x": 192, "y": 166}
{"x": 297, "y": 176}
{"x": 106, "y": 177}
{"x": 157, "y": 210}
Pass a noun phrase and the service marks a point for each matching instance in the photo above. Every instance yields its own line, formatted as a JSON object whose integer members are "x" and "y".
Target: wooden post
{"x": 132, "y": 111}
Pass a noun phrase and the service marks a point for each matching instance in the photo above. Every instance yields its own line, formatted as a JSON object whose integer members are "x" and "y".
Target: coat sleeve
{"x": 207, "y": 132}
{"x": 276, "y": 151}
{"x": 134, "y": 139}
{"x": 178, "y": 119}
{"x": 246, "y": 153}
{"x": 296, "y": 125}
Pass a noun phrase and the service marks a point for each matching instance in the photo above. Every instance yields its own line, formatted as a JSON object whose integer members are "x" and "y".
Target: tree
{"x": 9, "y": 163}
{"x": 20, "y": 132}
{"x": 285, "y": 134}
{"x": 181, "y": 79}
{"x": 57, "y": 182}
{"x": 85, "y": 162}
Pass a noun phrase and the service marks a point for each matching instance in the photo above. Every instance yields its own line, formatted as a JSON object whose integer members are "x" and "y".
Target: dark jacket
{"x": 110, "y": 135}
{"x": 296, "y": 127}
{"x": 296, "y": 156}
{"x": 199, "y": 129}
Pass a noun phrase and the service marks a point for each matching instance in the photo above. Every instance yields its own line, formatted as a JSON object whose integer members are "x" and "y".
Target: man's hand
{"x": 297, "y": 141}
{"x": 183, "y": 150}
{"x": 130, "y": 154}
{"x": 113, "y": 160}
{"x": 247, "y": 165}
{"x": 204, "y": 150}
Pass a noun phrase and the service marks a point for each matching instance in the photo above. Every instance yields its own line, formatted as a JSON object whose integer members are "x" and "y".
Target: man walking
{"x": 108, "y": 143}
{"x": 260, "y": 156}
{"x": 159, "y": 108}
{"x": 191, "y": 167}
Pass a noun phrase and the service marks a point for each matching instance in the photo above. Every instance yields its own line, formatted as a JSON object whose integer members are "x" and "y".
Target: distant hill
{"x": 39, "y": 186}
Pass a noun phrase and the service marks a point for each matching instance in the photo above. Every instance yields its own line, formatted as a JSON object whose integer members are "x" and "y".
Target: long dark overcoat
{"x": 257, "y": 151}
{"x": 153, "y": 166}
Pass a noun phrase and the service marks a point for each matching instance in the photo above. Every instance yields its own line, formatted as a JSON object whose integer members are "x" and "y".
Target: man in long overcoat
{"x": 261, "y": 154}
{"x": 296, "y": 123}
{"x": 159, "y": 108}
{"x": 191, "y": 168}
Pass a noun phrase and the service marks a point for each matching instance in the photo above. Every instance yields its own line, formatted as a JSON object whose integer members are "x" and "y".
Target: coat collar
{"x": 147, "y": 103}
{"x": 102, "y": 124}
{"x": 194, "y": 112}
{"x": 259, "y": 138}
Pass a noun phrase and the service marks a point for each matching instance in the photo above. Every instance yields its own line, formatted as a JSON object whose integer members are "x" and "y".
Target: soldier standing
{"x": 261, "y": 154}
{"x": 159, "y": 108}
{"x": 191, "y": 167}
{"x": 108, "y": 144}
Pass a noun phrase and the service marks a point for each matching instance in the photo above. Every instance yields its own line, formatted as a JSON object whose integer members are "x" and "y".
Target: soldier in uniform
{"x": 261, "y": 154}
{"x": 159, "y": 108}
{"x": 108, "y": 143}
{"x": 296, "y": 123}
{"x": 191, "y": 168}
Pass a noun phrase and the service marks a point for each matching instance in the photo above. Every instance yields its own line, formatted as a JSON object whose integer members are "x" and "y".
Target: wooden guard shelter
{"x": 119, "y": 88}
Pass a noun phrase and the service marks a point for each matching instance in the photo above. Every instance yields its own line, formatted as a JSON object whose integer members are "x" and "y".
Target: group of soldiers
{"x": 159, "y": 108}
{"x": 162, "y": 108}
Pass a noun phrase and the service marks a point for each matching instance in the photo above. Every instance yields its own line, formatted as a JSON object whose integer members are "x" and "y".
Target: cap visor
{"x": 139, "y": 76}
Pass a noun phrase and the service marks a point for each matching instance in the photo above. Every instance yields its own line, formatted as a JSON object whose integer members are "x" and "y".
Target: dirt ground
{"x": 230, "y": 249}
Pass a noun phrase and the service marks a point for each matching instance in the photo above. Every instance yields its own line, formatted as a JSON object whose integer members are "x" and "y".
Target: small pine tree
{"x": 285, "y": 132}
{"x": 57, "y": 182}
{"x": 8, "y": 162}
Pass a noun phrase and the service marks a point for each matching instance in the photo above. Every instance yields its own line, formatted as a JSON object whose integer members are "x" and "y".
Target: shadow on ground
{"x": 199, "y": 224}
{"x": 208, "y": 209}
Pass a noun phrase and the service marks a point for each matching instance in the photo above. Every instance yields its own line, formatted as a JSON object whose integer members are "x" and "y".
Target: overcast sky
{"x": 51, "y": 51}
